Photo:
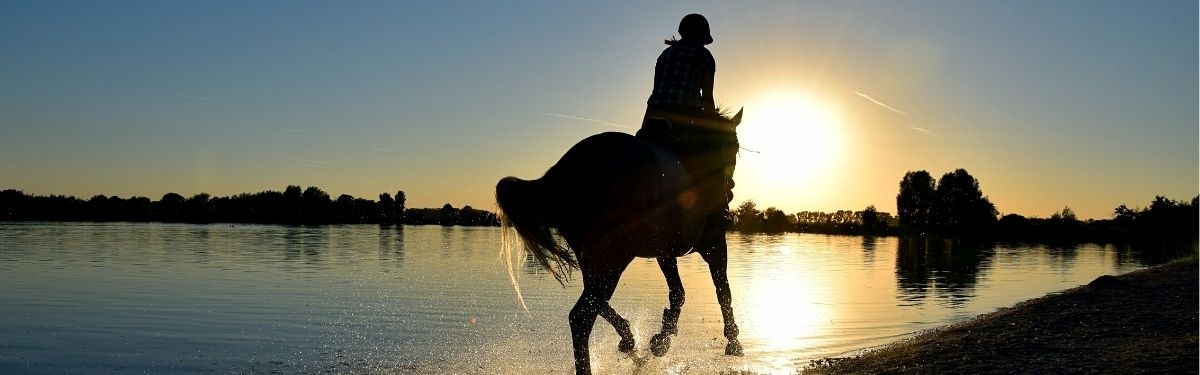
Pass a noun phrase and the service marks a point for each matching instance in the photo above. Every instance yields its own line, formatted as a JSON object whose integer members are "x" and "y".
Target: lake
{"x": 178, "y": 298}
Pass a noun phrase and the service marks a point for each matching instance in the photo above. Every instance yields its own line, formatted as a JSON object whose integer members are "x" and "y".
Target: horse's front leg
{"x": 717, "y": 258}
{"x": 661, "y": 342}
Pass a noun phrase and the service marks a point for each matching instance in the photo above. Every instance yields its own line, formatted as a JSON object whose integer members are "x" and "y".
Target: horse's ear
{"x": 737, "y": 119}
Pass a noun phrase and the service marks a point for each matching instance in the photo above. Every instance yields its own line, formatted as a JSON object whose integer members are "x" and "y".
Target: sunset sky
{"x": 1086, "y": 104}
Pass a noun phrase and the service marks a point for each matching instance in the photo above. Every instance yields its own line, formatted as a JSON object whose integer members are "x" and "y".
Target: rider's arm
{"x": 706, "y": 88}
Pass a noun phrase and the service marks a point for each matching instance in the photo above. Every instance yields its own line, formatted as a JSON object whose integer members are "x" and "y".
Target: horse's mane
{"x": 717, "y": 119}
{"x": 720, "y": 113}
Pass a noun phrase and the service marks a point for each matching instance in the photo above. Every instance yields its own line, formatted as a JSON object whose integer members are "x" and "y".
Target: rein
{"x": 674, "y": 119}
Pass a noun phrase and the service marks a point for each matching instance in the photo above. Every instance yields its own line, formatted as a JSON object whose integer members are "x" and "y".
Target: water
{"x": 174, "y": 298}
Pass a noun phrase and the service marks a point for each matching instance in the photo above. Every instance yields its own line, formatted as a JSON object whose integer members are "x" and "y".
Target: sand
{"x": 1141, "y": 322}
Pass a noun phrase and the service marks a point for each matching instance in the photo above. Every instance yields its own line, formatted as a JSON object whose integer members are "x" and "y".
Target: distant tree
{"x": 776, "y": 221}
{"x": 469, "y": 216}
{"x": 915, "y": 200}
{"x": 398, "y": 214}
{"x": 343, "y": 210}
{"x": 98, "y": 208}
{"x": 1169, "y": 218}
{"x": 199, "y": 209}
{"x": 387, "y": 208}
{"x": 747, "y": 218}
{"x": 269, "y": 207}
{"x": 871, "y": 220}
{"x": 448, "y": 215}
{"x": 13, "y": 204}
{"x": 960, "y": 205}
{"x": 293, "y": 206}
{"x": 169, "y": 207}
{"x": 1124, "y": 215}
{"x": 1066, "y": 215}
{"x": 315, "y": 205}
{"x": 367, "y": 211}
{"x": 137, "y": 209}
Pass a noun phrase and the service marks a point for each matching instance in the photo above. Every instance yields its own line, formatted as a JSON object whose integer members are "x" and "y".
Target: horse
{"x": 614, "y": 197}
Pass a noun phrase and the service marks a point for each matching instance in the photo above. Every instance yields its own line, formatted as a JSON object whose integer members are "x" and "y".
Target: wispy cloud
{"x": 313, "y": 162}
{"x": 868, "y": 97}
{"x": 623, "y": 126}
{"x": 923, "y": 131}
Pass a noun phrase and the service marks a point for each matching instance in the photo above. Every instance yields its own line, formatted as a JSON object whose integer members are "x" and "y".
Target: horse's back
{"x": 619, "y": 162}
{"x": 614, "y": 186}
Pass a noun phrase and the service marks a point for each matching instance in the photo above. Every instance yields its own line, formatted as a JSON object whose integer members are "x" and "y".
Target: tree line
{"x": 291, "y": 206}
{"x": 747, "y": 218}
{"x": 954, "y": 205}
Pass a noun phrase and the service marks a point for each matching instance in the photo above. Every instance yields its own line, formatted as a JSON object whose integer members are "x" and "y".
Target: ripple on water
{"x": 178, "y": 298}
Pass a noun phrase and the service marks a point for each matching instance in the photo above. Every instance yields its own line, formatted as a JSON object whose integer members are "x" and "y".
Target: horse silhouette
{"x": 613, "y": 197}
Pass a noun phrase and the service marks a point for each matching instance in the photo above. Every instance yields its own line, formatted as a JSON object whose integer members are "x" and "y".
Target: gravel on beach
{"x": 1140, "y": 322}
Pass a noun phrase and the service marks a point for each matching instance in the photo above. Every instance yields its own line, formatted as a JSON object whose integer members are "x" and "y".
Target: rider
{"x": 683, "y": 85}
{"x": 683, "y": 75}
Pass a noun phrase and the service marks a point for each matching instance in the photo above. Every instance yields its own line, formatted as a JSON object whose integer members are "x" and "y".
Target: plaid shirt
{"x": 677, "y": 76}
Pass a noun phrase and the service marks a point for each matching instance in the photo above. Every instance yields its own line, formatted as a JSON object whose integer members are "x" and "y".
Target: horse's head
{"x": 708, "y": 144}
{"x": 717, "y": 141}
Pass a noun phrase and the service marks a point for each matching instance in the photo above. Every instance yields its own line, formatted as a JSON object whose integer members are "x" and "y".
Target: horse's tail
{"x": 524, "y": 206}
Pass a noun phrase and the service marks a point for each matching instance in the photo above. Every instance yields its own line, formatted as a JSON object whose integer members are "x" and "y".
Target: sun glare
{"x": 786, "y": 316}
{"x": 790, "y": 140}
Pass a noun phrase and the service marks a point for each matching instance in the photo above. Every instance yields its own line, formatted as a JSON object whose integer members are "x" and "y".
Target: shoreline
{"x": 1140, "y": 322}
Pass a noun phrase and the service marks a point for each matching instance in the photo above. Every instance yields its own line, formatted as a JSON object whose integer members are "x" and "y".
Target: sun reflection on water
{"x": 784, "y": 314}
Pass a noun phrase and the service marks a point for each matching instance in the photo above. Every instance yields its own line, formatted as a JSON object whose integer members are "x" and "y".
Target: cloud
{"x": 315, "y": 162}
{"x": 923, "y": 131}
{"x": 868, "y": 97}
{"x": 623, "y": 126}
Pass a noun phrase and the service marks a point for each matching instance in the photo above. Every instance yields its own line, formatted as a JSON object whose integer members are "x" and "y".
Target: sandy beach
{"x": 1140, "y": 322}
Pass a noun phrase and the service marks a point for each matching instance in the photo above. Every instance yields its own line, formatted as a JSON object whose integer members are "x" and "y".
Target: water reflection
{"x": 305, "y": 243}
{"x": 1153, "y": 252}
{"x": 378, "y": 299}
{"x": 947, "y": 270}
{"x": 868, "y": 250}
{"x": 447, "y": 236}
{"x": 391, "y": 243}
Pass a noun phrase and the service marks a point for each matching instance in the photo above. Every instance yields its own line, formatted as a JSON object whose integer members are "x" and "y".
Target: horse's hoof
{"x": 659, "y": 344}
{"x": 734, "y": 348}
{"x": 670, "y": 321}
{"x": 626, "y": 346}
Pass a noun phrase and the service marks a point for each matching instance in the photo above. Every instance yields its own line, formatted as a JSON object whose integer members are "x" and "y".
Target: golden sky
{"x": 1049, "y": 104}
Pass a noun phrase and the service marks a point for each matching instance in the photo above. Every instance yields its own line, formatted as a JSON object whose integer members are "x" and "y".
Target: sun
{"x": 790, "y": 140}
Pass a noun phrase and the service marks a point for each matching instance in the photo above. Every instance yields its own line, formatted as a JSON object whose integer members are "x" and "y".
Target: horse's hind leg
{"x": 661, "y": 342}
{"x": 622, "y": 327}
{"x": 598, "y": 286}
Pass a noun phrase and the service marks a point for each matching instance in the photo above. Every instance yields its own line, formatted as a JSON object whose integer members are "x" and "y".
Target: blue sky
{"x": 1087, "y": 104}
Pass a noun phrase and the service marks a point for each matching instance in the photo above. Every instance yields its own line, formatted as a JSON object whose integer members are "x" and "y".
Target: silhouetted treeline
{"x": 449, "y": 216}
{"x": 955, "y": 206}
{"x": 748, "y": 219}
{"x": 1163, "y": 219}
{"x": 291, "y": 206}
